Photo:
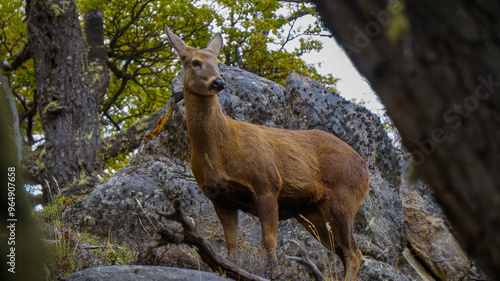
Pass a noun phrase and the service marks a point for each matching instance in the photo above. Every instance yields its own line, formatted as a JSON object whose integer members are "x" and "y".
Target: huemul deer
{"x": 273, "y": 174}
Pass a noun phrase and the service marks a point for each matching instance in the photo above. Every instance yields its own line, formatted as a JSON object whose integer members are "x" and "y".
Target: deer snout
{"x": 218, "y": 85}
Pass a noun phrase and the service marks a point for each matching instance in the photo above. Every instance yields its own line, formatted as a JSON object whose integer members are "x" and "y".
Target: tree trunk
{"x": 436, "y": 67}
{"x": 94, "y": 35}
{"x": 67, "y": 101}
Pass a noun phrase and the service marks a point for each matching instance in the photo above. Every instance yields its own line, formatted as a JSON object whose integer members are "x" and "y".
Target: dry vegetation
{"x": 71, "y": 250}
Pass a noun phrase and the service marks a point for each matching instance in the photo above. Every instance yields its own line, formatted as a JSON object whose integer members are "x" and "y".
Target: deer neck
{"x": 207, "y": 126}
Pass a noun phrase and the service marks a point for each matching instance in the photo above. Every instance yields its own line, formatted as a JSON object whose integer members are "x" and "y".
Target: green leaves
{"x": 257, "y": 34}
{"x": 145, "y": 62}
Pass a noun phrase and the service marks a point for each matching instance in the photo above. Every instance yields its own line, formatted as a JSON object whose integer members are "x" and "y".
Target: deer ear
{"x": 175, "y": 41}
{"x": 215, "y": 44}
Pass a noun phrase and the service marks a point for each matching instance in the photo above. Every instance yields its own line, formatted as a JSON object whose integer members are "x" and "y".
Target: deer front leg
{"x": 267, "y": 208}
{"x": 228, "y": 217}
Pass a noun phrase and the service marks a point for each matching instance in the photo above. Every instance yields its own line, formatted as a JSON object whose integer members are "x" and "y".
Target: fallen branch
{"x": 83, "y": 246}
{"x": 93, "y": 247}
{"x": 311, "y": 267}
{"x": 190, "y": 236}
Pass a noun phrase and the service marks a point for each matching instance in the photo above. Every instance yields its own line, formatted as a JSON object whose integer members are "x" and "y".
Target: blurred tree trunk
{"x": 22, "y": 254}
{"x": 436, "y": 67}
{"x": 70, "y": 87}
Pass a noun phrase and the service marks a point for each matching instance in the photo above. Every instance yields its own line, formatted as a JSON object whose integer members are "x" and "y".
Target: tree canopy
{"x": 141, "y": 63}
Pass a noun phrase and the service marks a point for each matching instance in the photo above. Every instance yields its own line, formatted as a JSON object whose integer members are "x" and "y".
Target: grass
{"x": 70, "y": 250}
{"x": 252, "y": 255}
{"x": 328, "y": 270}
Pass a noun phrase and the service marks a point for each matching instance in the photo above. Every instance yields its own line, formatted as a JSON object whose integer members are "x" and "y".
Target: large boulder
{"x": 141, "y": 272}
{"x": 429, "y": 235}
{"x": 124, "y": 206}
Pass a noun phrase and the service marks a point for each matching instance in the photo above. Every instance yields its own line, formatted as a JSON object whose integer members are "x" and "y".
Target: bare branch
{"x": 313, "y": 269}
{"x": 105, "y": 108}
{"x": 120, "y": 73}
{"x": 18, "y": 58}
{"x": 130, "y": 138}
{"x": 117, "y": 127}
{"x": 296, "y": 1}
{"x": 134, "y": 18}
{"x": 288, "y": 37}
{"x": 190, "y": 236}
{"x": 28, "y": 116}
{"x": 296, "y": 15}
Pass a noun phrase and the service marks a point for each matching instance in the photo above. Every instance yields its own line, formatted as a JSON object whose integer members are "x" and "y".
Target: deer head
{"x": 201, "y": 67}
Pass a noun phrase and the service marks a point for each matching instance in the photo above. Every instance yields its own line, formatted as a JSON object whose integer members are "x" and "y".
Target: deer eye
{"x": 196, "y": 63}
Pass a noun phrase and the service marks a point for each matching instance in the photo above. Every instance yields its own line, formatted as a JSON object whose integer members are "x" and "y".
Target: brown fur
{"x": 270, "y": 173}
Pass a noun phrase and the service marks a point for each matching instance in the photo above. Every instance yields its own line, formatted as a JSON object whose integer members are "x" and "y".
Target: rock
{"x": 412, "y": 268}
{"x": 143, "y": 273}
{"x": 379, "y": 221}
{"x": 124, "y": 206}
{"x": 313, "y": 106}
{"x": 373, "y": 270}
{"x": 430, "y": 237}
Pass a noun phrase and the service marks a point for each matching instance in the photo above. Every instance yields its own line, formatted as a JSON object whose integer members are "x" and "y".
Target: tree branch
{"x": 311, "y": 267}
{"x": 297, "y": 14}
{"x": 28, "y": 116}
{"x": 110, "y": 120}
{"x": 128, "y": 139}
{"x": 147, "y": 128}
{"x": 296, "y": 1}
{"x": 115, "y": 96}
{"x": 134, "y": 18}
{"x": 175, "y": 97}
{"x": 22, "y": 55}
{"x": 120, "y": 73}
{"x": 190, "y": 236}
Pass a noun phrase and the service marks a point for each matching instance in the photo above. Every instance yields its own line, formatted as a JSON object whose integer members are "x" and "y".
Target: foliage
{"x": 53, "y": 211}
{"x": 13, "y": 41}
{"x": 255, "y": 39}
{"x": 142, "y": 63}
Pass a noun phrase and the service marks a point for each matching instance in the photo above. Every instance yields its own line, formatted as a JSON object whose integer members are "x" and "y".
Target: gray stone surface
{"x": 143, "y": 273}
{"x": 430, "y": 237}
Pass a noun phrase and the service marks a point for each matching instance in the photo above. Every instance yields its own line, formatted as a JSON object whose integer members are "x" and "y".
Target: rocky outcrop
{"x": 430, "y": 237}
{"x": 141, "y": 272}
{"x": 392, "y": 220}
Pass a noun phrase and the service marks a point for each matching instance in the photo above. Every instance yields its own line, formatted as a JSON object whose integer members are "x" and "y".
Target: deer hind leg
{"x": 314, "y": 222}
{"x": 342, "y": 225}
{"x": 228, "y": 217}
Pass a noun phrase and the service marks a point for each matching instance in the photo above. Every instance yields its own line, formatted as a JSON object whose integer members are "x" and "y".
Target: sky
{"x": 352, "y": 85}
{"x": 333, "y": 60}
